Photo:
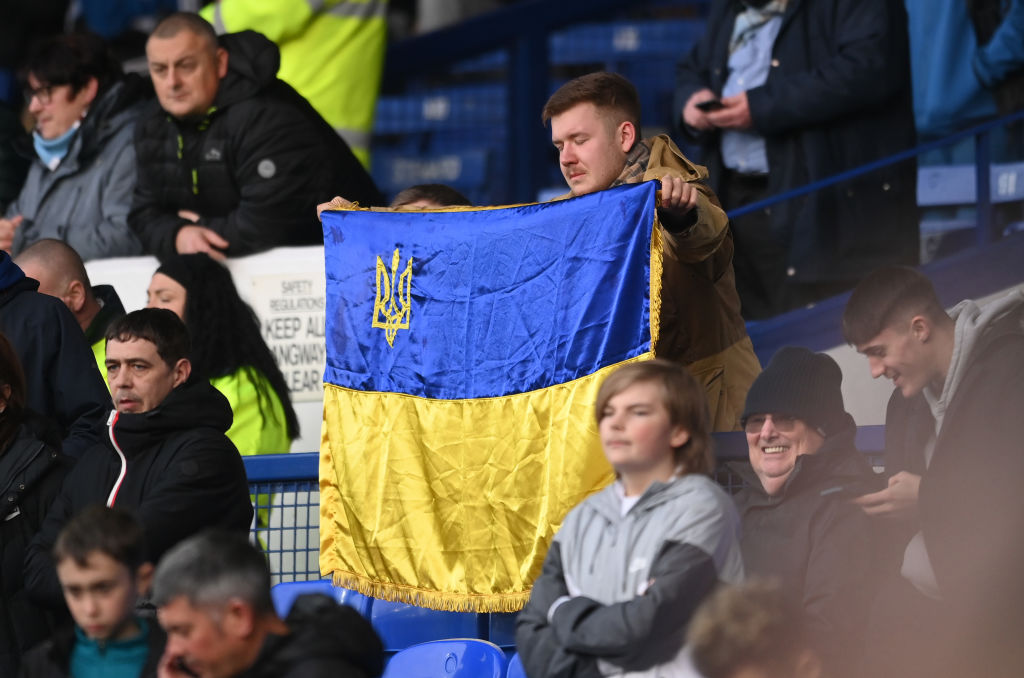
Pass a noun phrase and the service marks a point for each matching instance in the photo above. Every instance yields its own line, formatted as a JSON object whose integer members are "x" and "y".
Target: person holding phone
{"x": 779, "y": 94}
{"x": 800, "y": 524}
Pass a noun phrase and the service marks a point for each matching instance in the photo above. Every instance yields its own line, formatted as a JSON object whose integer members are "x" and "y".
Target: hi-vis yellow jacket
{"x": 332, "y": 52}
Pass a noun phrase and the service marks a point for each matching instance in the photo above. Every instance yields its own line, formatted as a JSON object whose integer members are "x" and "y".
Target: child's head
{"x": 101, "y": 564}
{"x": 752, "y": 630}
{"x": 653, "y": 412}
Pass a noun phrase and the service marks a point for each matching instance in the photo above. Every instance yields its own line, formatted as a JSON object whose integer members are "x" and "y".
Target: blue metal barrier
{"x": 982, "y": 173}
{"x": 292, "y": 541}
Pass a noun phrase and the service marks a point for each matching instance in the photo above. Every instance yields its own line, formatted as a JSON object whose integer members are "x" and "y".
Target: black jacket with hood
{"x": 327, "y": 640}
{"x": 253, "y": 167}
{"x": 173, "y": 466}
{"x": 819, "y": 544}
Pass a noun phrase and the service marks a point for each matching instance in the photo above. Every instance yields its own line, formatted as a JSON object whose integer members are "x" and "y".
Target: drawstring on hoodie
{"x": 111, "y": 421}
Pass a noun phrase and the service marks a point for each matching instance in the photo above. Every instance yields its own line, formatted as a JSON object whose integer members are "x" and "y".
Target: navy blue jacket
{"x": 837, "y": 96}
{"x": 60, "y": 370}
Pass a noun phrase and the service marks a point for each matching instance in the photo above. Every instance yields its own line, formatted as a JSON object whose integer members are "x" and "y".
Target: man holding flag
{"x": 595, "y": 125}
{"x": 465, "y": 348}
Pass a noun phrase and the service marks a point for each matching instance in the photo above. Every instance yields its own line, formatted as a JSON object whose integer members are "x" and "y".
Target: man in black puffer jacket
{"x": 166, "y": 456}
{"x": 233, "y": 161}
{"x": 212, "y": 593}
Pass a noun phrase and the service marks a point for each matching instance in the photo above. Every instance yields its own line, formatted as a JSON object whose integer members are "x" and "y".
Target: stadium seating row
{"x": 400, "y": 625}
{"x": 455, "y": 134}
{"x": 454, "y": 658}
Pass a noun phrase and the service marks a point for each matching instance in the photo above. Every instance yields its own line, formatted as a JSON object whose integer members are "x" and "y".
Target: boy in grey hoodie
{"x": 631, "y": 563}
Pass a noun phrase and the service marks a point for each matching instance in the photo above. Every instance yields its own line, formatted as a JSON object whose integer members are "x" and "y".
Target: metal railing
{"x": 982, "y": 173}
{"x": 291, "y": 539}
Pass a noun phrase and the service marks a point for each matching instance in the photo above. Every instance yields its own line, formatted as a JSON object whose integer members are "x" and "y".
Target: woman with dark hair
{"x": 31, "y": 471}
{"x": 228, "y": 349}
{"x": 79, "y": 185}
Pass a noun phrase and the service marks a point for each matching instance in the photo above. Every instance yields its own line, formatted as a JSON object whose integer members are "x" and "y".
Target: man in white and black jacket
{"x": 166, "y": 457}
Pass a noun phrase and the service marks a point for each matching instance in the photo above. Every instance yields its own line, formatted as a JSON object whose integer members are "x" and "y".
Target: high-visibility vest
{"x": 332, "y": 53}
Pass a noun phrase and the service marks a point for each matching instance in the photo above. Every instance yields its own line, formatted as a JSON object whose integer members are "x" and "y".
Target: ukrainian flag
{"x": 464, "y": 354}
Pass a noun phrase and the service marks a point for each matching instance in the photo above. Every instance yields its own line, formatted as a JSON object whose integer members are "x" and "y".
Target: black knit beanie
{"x": 803, "y": 384}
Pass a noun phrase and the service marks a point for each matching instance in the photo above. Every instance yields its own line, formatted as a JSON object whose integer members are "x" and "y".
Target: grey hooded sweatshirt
{"x": 618, "y": 586}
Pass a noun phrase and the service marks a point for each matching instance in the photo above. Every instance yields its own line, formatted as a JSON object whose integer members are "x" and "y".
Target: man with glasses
{"x": 79, "y": 186}
{"x": 799, "y": 524}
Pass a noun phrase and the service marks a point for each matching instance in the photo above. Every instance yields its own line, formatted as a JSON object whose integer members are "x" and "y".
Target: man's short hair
{"x": 72, "y": 60}
{"x": 162, "y": 327}
{"x": 173, "y": 24}
{"x": 682, "y": 396}
{"x": 887, "y": 297}
{"x": 112, "y": 531}
{"x": 608, "y": 91}
{"x": 212, "y": 568}
{"x": 436, "y": 193}
{"x": 750, "y": 625}
{"x": 60, "y": 259}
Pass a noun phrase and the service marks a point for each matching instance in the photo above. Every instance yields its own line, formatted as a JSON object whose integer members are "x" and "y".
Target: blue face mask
{"x": 52, "y": 151}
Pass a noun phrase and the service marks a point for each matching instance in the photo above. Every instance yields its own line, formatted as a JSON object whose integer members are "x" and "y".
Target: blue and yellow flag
{"x": 464, "y": 354}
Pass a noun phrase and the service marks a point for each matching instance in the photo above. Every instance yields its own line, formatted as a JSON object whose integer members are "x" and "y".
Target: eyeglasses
{"x": 44, "y": 94}
{"x": 784, "y": 423}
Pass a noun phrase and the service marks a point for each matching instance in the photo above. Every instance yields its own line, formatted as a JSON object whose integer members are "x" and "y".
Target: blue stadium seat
{"x": 458, "y": 658}
{"x": 285, "y": 593}
{"x": 400, "y": 625}
{"x": 453, "y": 108}
{"x": 466, "y": 171}
{"x": 633, "y": 40}
{"x": 515, "y": 667}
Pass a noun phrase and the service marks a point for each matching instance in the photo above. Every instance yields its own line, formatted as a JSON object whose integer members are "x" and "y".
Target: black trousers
{"x": 759, "y": 259}
{"x": 761, "y": 255}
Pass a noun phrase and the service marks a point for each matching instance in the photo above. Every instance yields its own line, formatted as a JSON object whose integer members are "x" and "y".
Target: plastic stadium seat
{"x": 462, "y": 170}
{"x": 285, "y": 593}
{"x": 515, "y": 667}
{"x": 458, "y": 658}
{"x": 354, "y": 599}
{"x": 400, "y": 625}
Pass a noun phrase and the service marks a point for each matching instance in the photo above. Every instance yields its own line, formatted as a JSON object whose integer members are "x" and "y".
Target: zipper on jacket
{"x": 111, "y": 421}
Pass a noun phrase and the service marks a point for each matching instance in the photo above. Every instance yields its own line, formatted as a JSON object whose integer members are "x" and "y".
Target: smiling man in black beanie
{"x": 798, "y": 522}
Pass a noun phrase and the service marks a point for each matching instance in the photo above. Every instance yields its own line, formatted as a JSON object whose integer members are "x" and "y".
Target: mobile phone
{"x": 858, "y": 488}
{"x": 710, "y": 105}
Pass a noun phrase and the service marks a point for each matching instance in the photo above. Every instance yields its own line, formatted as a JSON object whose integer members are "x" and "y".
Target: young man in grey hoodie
{"x": 955, "y": 461}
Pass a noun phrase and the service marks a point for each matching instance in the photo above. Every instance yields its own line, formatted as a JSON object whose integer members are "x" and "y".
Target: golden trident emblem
{"x": 393, "y": 302}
